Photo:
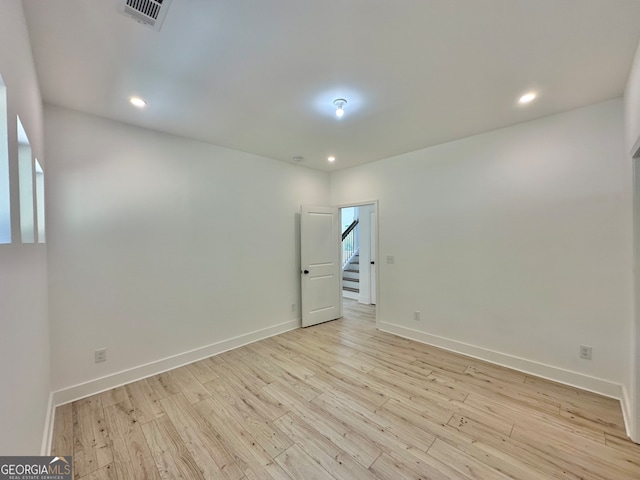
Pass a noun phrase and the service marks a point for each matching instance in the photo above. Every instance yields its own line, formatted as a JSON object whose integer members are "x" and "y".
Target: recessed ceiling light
{"x": 138, "y": 102}
{"x": 339, "y": 104}
{"x": 332, "y": 158}
{"x": 527, "y": 97}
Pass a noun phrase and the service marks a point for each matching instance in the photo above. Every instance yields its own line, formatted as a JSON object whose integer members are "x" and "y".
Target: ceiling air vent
{"x": 147, "y": 12}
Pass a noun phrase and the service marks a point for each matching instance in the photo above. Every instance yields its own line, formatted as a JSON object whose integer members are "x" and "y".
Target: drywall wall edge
{"x": 47, "y": 435}
{"x": 625, "y": 401}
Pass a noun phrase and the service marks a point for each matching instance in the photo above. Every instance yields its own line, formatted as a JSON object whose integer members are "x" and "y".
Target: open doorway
{"x": 359, "y": 274}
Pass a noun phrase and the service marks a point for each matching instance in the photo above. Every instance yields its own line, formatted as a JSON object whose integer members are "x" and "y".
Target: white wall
{"x": 24, "y": 338}
{"x": 347, "y": 216}
{"x": 159, "y": 244}
{"x": 514, "y": 245}
{"x": 632, "y": 124}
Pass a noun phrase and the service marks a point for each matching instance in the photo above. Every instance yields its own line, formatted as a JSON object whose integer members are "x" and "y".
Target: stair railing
{"x": 349, "y": 242}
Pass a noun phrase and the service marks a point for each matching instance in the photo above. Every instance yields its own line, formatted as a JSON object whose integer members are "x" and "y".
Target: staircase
{"x": 351, "y": 278}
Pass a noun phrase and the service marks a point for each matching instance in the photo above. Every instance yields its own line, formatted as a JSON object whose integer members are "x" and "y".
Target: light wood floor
{"x": 342, "y": 400}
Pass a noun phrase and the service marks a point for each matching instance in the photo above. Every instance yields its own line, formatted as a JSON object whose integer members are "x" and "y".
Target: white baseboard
{"x": 47, "y": 436}
{"x": 82, "y": 390}
{"x": 549, "y": 372}
{"x": 123, "y": 377}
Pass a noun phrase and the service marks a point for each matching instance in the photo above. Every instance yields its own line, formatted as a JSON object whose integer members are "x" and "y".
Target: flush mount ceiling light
{"x": 339, "y": 104}
{"x": 527, "y": 98}
{"x": 138, "y": 102}
{"x": 297, "y": 158}
{"x": 332, "y": 158}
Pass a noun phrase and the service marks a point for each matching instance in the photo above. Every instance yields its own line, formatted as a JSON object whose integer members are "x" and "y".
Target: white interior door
{"x": 320, "y": 262}
{"x": 372, "y": 253}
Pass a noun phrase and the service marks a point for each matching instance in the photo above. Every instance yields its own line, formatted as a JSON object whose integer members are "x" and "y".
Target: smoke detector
{"x": 148, "y": 12}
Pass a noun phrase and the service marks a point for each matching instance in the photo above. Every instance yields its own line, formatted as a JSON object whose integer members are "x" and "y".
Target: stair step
{"x": 350, "y": 275}
{"x": 351, "y": 289}
{"x": 351, "y": 270}
{"x": 347, "y": 279}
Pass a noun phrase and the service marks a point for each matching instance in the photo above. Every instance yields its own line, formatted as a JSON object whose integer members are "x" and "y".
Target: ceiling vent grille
{"x": 147, "y": 12}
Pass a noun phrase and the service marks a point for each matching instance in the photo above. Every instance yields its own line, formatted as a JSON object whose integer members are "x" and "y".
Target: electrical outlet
{"x": 391, "y": 259}
{"x": 100, "y": 355}
{"x": 416, "y": 316}
{"x": 585, "y": 352}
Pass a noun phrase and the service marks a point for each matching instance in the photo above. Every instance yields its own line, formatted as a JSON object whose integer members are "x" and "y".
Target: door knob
{"x": 306, "y": 272}
{"x": 373, "y": 263}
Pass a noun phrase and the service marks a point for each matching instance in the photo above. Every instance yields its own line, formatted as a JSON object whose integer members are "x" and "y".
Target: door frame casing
{"x": 376, "y": 205}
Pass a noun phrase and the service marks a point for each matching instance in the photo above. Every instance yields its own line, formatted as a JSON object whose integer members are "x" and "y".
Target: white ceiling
{"x": 260, "y": 75}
